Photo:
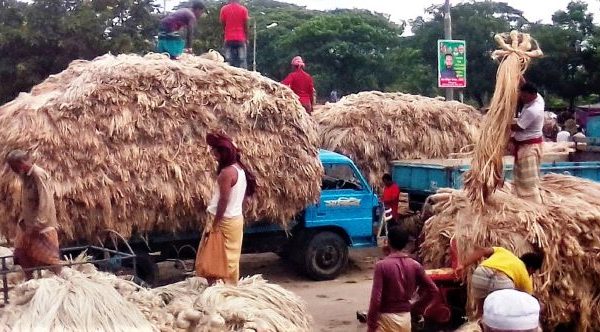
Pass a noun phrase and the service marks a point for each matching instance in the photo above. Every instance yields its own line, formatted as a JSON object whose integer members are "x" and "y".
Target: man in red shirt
{"x": 234, "y": 18}
{"x": 391, "y": 195}
{"x": 301, "y": 83}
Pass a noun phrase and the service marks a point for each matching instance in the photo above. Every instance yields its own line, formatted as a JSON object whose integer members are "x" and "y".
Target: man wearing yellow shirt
{"x": 501, "y": 269}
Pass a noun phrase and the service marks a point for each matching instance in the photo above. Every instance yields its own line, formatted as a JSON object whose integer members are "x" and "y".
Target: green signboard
{"x": 452, "y": 64}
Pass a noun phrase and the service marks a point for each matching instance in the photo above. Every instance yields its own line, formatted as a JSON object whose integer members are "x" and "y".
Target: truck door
{"x": 346, "y": 201}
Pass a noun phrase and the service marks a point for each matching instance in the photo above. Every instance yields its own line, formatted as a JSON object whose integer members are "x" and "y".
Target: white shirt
{"x": 236, "y": 198}
{"x": 563, "y": 136}
{"x": 531, "y": 120}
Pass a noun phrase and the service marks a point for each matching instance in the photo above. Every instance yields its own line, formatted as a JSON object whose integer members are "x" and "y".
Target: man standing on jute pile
{"x": 36, "y": 243}
{"x": 234, "y": 17}
{"x": 527, "y": 141}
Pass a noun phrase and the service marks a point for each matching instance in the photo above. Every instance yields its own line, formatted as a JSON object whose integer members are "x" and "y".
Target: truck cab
{"x": 344, "y": 217}
{"x": 317, "y": 241}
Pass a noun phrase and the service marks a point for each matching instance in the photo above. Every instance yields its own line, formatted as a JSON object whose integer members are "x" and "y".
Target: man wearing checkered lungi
{"x": 527, "y": 142}
{"x": 36, "y": 243}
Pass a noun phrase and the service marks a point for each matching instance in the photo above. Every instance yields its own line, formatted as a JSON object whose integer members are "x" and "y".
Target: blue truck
{"x": 346, "y": 216}
{"x": 422, "y": 178}
{"x": 317, "y": 241}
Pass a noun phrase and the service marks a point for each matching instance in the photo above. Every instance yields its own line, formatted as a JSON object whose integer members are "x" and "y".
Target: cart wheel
{"x": 147, "y": 269}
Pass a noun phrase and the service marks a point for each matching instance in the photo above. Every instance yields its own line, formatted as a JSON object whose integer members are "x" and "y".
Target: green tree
{"x": 348, "y": 50}
{"x": 569, "y": 67}
{"x": 412, "y": 74}
{"x": 41, "y": 38}
{"x": 476, "y": 23}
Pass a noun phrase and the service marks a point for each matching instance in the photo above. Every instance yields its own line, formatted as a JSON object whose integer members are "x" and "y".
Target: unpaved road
{"x": 333, "y": 304}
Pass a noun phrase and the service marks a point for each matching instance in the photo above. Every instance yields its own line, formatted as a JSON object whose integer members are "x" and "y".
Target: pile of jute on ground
{"x": 566, "y": 227}
{"x": 124, "y": 140}
{"x": 486, "y": 174}
{"x": 375, "y": 128}
{"x": 88, "y": 300}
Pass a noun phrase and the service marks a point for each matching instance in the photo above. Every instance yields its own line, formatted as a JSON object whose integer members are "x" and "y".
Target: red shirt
{"x": 395, "y": 282}
{"x": 302, "y": 84}
{"x": 391, "y": 197}
{"x": 235, "y": 18}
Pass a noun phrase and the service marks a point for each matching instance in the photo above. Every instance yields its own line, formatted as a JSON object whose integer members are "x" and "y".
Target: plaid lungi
{"x": 485, "y": 280}
{"x": 34, "y": 249}
{"x": 526, "y": 172}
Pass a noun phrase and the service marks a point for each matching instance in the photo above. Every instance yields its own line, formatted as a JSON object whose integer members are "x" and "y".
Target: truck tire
{"x": 325, "y": 255}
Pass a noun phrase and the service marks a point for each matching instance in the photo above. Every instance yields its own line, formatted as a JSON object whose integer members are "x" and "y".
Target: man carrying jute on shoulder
{"x": 527, "y": 142}
{"x": 36, "y": 243}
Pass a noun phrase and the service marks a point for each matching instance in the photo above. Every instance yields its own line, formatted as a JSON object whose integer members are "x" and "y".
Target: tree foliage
{"x": 42, "y": 37}
{"x": 569, "y": 68}
{"x": 347, "y": 50}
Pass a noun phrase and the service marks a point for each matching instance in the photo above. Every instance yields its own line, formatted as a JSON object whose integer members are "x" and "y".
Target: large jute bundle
{"x": 486, "y": 174}
{"x": 253, "y": 305}
{"x": 73, "y": 303}
{"x": 375, "y": 128}
{"x": 124, "y": 141}
{"x": 88, "y": 300}
{"x": 566, "y": 227}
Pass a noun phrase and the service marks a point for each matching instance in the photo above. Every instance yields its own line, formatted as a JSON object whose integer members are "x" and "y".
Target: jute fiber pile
{"x": 566, "y": 227}
{"x": 375, "y": 128}
{"x": 486, "y": 174}
{"x": 88, "y": 300}
{"x": 76, "y": 303}
{"x": 124, "y": 141}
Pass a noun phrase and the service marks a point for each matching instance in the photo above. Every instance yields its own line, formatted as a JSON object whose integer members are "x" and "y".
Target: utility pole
{"x": 448, "y": 36}
{"x": 254, "y": 46}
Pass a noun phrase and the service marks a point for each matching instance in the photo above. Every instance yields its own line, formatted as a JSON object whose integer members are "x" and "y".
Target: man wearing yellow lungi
{"x": 36, "y": 243}
{"x": 234, "y": 183}
{"x": 527, "y": 142}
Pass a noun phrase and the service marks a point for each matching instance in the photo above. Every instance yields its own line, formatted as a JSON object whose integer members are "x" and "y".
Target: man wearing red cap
{"x": 301, "y": 83}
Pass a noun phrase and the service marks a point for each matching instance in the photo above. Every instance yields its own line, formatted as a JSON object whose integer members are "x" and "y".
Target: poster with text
{"x": 452, "y": 64}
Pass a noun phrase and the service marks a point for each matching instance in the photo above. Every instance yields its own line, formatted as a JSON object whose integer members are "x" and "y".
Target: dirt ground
{"x": 333, "y": 304}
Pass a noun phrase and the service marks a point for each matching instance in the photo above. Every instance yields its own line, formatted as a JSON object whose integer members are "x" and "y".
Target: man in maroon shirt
{"x": 234, "y": 18}
{"x": 395, "y": 282}
{"x": 301, "y": 83}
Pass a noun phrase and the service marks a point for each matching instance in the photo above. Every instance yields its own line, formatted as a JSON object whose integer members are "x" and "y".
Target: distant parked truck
{"x": 422, "y": 178}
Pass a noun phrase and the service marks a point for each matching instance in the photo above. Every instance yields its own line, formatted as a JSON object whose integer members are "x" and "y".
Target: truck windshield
{"x": 338, "y": 176}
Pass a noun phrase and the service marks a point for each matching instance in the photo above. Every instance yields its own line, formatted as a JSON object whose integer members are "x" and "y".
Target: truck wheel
{"x": 147, "y": 269}
{"x": 325, "y": 256}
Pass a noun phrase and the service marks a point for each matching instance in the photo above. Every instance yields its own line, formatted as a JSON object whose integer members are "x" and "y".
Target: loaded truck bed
{"x": 421, "y": 178}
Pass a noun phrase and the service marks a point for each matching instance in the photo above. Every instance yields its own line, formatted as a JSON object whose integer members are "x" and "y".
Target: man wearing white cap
{"x": 509, "y": 310}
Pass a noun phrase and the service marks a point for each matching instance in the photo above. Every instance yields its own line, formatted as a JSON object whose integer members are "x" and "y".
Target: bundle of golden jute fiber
{"x": 123, "y": 138}
{"x": 375, "y": 128}
{"x": 88, "y": 300}
{"x": 486, "y": 174}
{"x": 72, "y": 302}
{"x": 566, "y": 228}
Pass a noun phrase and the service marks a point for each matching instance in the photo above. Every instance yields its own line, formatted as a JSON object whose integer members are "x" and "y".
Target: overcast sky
{"x": 534, "y": 10}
